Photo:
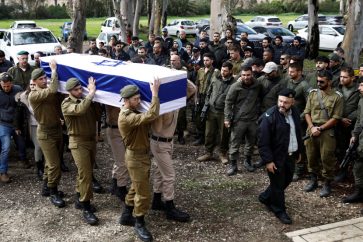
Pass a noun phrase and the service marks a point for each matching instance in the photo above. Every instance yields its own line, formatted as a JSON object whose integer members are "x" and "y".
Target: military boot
{"x": 55, "y": 198}
{"x": 45, "y": 189}
{"x": 88, "y": 215}
{"x": 206, "y": 157}
{"x": 247, "y": 164}
{"x": 326, "y": 190}
{"x": 172, "y": 213}
{"x": 258, "y": 164}
{"x": 96, "y": 186}
{"x": 312, "y": 184}
{"x": 40, "y": 169}
{"x": 119, "y": 192}
{"x": 141, "y": 230}
{"x": 157, "y": 203}
{"x": 355, "y": 197}
{"x": 232, "y": 169}
{"x": 80, "y": 205}
{"x": 126, "y": 217}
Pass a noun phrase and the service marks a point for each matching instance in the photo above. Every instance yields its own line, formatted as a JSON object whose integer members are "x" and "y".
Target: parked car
{"x": 105, "y": 37}
{"x": 181, "y": 24}
{"x": 23, "y": 24}
{"x": 331, "y": 36}
{"x": 110, "y": 25}
{"x": 335, "y": 20}
{"x": 302, "y": 22}
{"x": 264, "y": 21}
{"x": 272, "y": 31}
{"x": 66, "y": 30}
{"x": 28, "y": 39}
{"x": 202, "y": 23}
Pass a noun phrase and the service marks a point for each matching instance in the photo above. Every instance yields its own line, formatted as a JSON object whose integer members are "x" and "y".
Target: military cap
{"x": 270, "y": 67}
{"x": 23, "y": 52}
{"x": 129, "y": 91}
{"x": 335, "y": 57}
{"x": 6, "y": 77}
{"x": 36, "y": 73}
{"x": 287, "y": 92}
{"x": 72, "y": 83}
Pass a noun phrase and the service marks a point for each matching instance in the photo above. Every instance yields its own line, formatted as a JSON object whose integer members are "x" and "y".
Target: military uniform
{"x": 322, "y": 147}
{"x": 357, "y": 133}
{"x": 20, "y": 76}
{"x": 271, "y": 88}
{"x": 237, "y": 66}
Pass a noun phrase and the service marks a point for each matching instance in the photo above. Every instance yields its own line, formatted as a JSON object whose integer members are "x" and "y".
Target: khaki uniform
{"x": 47, "y": 111}
{"x": 134, "y": 129}
{"x": 237, "y": 66}
{"x": 119, "y": 170}
{"x": 21, "y": 77}
{"x": 322, "y": 148}
{"x": 80, "y": 116}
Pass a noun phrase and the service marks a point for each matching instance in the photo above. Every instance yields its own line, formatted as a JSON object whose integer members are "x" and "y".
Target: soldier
{"x": 216, "y": 133}
{"x": 219, "y": 50}
{"x": 284, "y": 65}
{"x": 357, "y": 136}
{"x": 236, "y": 60}
{"x": 134, "y": 129}
{"x": 240, "y": 114}
{"x": 47, "y": 111}
{"x": 321, "y": 63}
{"x": 335, "y": 66}
{"x": 80, "y": 116}
{"x": 322, "y": 112}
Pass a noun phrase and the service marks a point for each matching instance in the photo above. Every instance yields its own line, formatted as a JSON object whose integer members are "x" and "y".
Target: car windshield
{"x": 67, "y": 25}
{"x": 340, "y": 30}
{"x": 281, "y": 31}
{"x": 244, "y": 28}
{"x": 187, "y": 23}
{"x": 28, "y": 38}
{"x": 274, "y": 20}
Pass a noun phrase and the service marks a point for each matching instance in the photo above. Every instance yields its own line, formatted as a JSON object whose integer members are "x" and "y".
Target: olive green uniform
{"x": 322, "y": 147}
{"x": 80, "y": 116}
{"x": 357, "y": 133}
{"x": 47, "y": 112}
{"x": 20, "y": 76}
{"x": 134, "y": 128}
{"x": 237, "y": 66}
{"x": 271, "y": 89}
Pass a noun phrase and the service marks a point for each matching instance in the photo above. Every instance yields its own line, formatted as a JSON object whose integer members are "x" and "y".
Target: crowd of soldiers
{"x": 230, "y": 85}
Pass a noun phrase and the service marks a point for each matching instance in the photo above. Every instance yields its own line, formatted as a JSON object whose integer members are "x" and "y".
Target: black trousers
{"x": 274, "y": 195}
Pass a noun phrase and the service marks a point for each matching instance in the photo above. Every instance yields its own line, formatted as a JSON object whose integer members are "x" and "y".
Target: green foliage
{"x": 329, "y": 6}
{"x": 96, "y": 8}
{"x": 8, "y": 11}
{"x": 188, "y": 7}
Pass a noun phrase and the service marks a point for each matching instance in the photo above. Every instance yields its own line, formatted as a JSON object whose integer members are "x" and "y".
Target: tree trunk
{"x": 353, "y": 38}
{"x": 78, "y": 15}
{"x": 135, "y": 29}
{"x": 152, "y": 17}
{"x": 157, "y": 18}
{"x": 55, "y": 2}
{"x": 164, "y": 18}
{"x": 117, "y": 9}
{"x": 130, "y": 14}
{"x": 313, "y": 29}
{"x": 341, "y": 7}
{"x": 221, "y": 17}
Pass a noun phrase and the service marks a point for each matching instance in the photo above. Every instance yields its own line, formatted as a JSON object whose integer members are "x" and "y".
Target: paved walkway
{"x": 345, "y": 231}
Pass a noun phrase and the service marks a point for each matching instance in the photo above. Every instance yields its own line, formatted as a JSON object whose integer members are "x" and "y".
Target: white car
{"x": 264, "y": 21}
{"x": 23, "y": 24}
{"x": 111, "y": 25}
{"x": 331, "y": 36}
{"x": 105, "y": 37}
{"x": 30, "y": 40}
{"x": 177, "y": 25}
{"x": 302, "y": 22}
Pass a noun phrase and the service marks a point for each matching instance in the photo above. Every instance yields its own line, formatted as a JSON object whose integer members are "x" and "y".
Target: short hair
{"x": 208, "y": 55}
{"x": 217, "y": 33}
{"x": 296, "y": 65}
{"x": 41, "y": 54}
{"x": 325, "y": 73}
{"x": 246, "y": 68}
{"x": 258, "y": 62}
{"x": 228, "y": 64}
{"x": 348, "y": 70}
{"x": 322, "y": 59}
{"x": 269, "y": 51}
{"x": 118, "y": 42}
{"x": 268, "y": 39}
{"x": 340, "y": 49}
{"x": 102, "y": 51}
{"x": 2, "y": 53}
{"x": 151, "y": 34}
{"x": 279, "y": 37}
{"x": 287, "y": 56}
{"x": 244, "y": 39}
{"x": 244, "y": 32}
{"x": 234, "y": 48}
{"x": 142, "y": 47}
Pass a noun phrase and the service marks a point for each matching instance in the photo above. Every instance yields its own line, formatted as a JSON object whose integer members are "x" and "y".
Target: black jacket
{"x": 9, "y": 111}
{"x": 274, "y": 136}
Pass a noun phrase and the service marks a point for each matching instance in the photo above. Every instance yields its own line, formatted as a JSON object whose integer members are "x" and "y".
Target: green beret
{"x": 36, "y": 73}
{"x": 129, "y": 91}
{"x": 5, "y": 77}
{"x": 23, "y": 52}
{"x": 72, "y": 83}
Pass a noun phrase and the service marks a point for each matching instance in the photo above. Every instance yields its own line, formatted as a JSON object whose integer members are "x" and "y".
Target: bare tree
{"x": 341, "y": 7}
{"x": 313, "y": 29}
{"x": 152, "y": 17}
{"x": 135, "y": 27}
{"x": 164, "y": 15}
{"x": 157, "y": 16}
{"x": 353, "y": 38}
{"x": 117, "y": 9}
{"x": 77, "y": 11}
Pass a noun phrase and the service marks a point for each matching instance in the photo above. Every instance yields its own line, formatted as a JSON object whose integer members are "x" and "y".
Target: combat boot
{"x": 55, "y": 198}
{"x": 88, "y": 215}
{"x": 172, "y": 213}
{"x": 312, "y": 184}
{"x": 80, "y": 205}
{"x": 40, "y": 169}
{"x": 199, "y": 141}
{"x": 296, "y": 177}
{"x": 141, "y": 230}
{"x": 326, "y": 190}
{"x": 232, "y": 170}
{"x": 119, "y": 192}
{"x": 247, "y": 164}
{"x": 157, "y": 203}
{"x": 355, "y": 197}
{"x": 96, "y": 186}
{"x": 258, "y": 164}
{"x": 46, "y": 191}
{"x": 126, "y": 217}
{"x": 206, "y": 157}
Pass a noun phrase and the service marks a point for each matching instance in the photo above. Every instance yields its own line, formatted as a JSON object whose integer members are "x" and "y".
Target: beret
{"x": 36, "y": 73}
{"x": 335, "y": 57}
{"x": 72, "y": 83}
{"x": 129, "y": 91}
{"x": 287, "y": 92}
{"x": 6, "y": 77}
{"x": 23, "y": 52}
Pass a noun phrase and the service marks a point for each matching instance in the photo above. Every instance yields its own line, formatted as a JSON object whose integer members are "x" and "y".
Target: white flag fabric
{"x": 112, "y": 75}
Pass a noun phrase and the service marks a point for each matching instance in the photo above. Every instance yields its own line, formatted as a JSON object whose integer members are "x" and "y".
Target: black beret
{"x": 287, "y": 92}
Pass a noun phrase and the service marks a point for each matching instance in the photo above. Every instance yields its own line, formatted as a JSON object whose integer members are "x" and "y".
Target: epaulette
{"x": 339, "y": 93}
{"x": 126, "y": 111}
{"x": 313, "y": 90}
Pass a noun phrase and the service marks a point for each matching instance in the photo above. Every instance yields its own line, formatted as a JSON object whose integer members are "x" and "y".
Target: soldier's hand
{"x": 91, "y": 86}
{"x": 227, "y": 124}
{"x": 352, "y": 140}
{"x": 346, "y": 122}
{"x": 53, "y": 65}
{"x": 154, "y": 86}
{"x": 270, "y": 167}
{"x": 315, "y": 131}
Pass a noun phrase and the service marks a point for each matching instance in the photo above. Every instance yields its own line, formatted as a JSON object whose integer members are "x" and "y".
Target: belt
{"x": 111, "y": 126}
{"x": 161, "y": 139}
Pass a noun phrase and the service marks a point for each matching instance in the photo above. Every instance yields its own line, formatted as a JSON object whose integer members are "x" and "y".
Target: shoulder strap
{"x": 322, "y": 106}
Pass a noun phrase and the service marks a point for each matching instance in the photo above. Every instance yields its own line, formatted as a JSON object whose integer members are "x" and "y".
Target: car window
{"x": 305, "y": 18}
{"x": 244, "y": 28}
{"x": 28, "y": 38}
{"x": 109, "y": 23}
{"x": 327, "y": 31}
{"x": 273, "y": 20}
{"x": 340, "y": 30}
{"x": 187, "y": 23}
{"x": 321, "y": 18}
{"x": 281, "y": 31}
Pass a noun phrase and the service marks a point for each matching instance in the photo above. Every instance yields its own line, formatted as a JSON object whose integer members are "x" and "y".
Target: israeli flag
{"x": 112, "y": 75}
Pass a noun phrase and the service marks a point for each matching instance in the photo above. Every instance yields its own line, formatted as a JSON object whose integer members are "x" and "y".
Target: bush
{"x": 329, "y": 6}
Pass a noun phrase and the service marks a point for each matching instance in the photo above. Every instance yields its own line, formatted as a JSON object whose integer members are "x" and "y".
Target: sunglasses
{"x": 321, "y": 82}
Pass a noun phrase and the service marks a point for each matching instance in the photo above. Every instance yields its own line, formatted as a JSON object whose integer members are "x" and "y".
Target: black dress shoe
{"x": 90, "y": 218}
{"x": 284, "y": 218}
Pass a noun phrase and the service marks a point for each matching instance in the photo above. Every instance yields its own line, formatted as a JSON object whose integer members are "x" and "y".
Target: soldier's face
{"x": 23, "y": 60}
{"x": 323, "y": 83}
{"x": 284, "y": 60}
{"x": 77, "y": 91}
{"x": 360, "y": 88}
{"x": 320, "y": 65}
{"x": 207, "y": 62}
{"x": 246, "y": 77}
{"x": 41, "y": 81}
{"x": 133, "y": 102}
{"x": 294, "y": 73}
{"x": 284, "y": 104}
{"x": 345, "y": 79}
{"x": 234, "y": 54}
{"x": 6, "y": 86}
{"x": 226, "y": 72}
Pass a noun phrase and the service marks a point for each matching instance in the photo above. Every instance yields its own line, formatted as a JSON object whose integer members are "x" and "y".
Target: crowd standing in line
{"x": 239, "y": 93}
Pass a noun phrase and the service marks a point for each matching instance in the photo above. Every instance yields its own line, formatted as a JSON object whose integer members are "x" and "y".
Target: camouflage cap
{"x": 5, "y": 77}
{"x": 36, "y": 73}
{"x": 129, "y": 91}
{"x": 72, "y": 83}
